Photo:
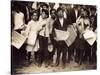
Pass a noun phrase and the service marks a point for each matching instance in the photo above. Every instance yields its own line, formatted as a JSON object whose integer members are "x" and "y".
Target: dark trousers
{"x": 94, "y": 52}
{"x": 79, "y": 50}
{"x": 14, "y": 57}
{"x": 43, "y": 52}
{"x": 54, "y": 48}
{"x": 70, "y": 53}
{"x": 72, "y": 50}
{"x": 61, "y": 48}
{"x": 29, "y": 56}
{"x": 88, "y": 50}
{"x": 17, "y": 57}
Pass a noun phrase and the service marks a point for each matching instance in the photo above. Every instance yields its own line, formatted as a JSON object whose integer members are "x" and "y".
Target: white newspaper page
{"x": 17, "y": 39}
{"x": 90, "y": 36}
{"x": 61, "y": 35}
{"x": 72, "y": 35}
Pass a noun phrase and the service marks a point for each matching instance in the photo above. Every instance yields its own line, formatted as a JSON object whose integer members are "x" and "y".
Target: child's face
{"x": 35, "y": 16}
{"x": 83, "y": 13}
{"x": 44, "y": 7}
{"x": 93, "y": 12}
{"x": 60, "y": 13}
{"x": 43, "y": 15}
{"x": 53, "y": 15}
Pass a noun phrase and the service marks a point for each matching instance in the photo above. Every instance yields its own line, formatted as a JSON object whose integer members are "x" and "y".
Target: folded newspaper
{"x": 72, "y": 35}
{"x": 61, "y": 35}
{"x": 89, "y": 36}
{"x": 17, "y": 39}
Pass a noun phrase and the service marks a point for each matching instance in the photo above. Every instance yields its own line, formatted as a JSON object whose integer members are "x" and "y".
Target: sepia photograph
{"x": 52, "y": 37}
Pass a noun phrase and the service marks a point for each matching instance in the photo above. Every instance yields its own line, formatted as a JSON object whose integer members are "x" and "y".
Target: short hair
{"x": 44, "y": 4}
{"x": 46, "y": 12}
{"x": 60, "y": 9}
{"x": 52, "y": 10}
{"x": 87, "y": 11}
{"x": 35, "y": 11}
{"x": 93, "y": 8}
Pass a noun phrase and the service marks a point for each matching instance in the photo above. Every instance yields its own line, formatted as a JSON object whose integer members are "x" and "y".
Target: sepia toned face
{"x": 60, "y": 13}
{"x": 30, "y": 4}
{"x": 43, "y": 15}
{"x": 93, "y": 12}
{"x": 51, "y": 5}
{"x": 84, "y": 13}
{"x": 35, "y": 16}
{"x": 44, "y": 7}
{"x": 53, "y": 15}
